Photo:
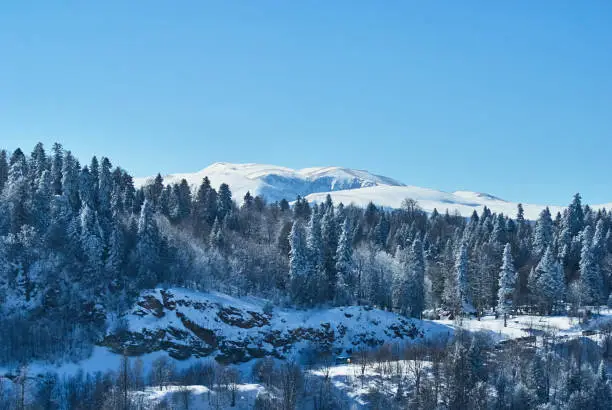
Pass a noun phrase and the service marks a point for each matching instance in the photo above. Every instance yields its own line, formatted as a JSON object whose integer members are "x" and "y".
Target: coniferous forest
{"x": 79, "y": 242}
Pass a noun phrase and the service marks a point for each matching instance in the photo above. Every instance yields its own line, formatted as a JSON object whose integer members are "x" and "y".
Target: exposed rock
{"x": 151, "y": 304}
{"x": 189, "y": 324}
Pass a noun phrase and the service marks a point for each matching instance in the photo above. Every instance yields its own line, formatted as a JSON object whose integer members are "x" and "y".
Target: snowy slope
{"x": 465, "y": 202}
{"x": 345, "y": 185}
{"x": 188, "y": 324}
{"x": 276, "y": 183}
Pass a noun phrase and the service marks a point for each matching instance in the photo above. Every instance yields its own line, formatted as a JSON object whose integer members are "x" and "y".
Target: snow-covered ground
{"x": 348, "y": 381}
{"x": 528, "y": 325}
{"x": 199, "y": 397}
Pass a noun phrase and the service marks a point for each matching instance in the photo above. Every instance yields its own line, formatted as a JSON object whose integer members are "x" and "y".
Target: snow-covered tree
{"x": 507, "y": 284}
{"x": 299, "y": 265}
{"x": 344, "y": 265}
{"x": 329, "y": 238}
{"x": 590, "y": 274}
{"x": 92, "y": 242}
{"x": 4, "y": 170}
{"x": 416, "y": 265}
{"x": 224, "y": 201}
{"x": 462, "y": 281}
{"x": 543, "y": 235}
{"x": 549, "y": 285}
{"x": 148, "y": 246}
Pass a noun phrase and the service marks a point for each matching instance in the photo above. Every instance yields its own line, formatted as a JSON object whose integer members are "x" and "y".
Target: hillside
{"x": 190, "y": 324}
{"x": 276, "y": 183}
{"x": 345, "y": 185}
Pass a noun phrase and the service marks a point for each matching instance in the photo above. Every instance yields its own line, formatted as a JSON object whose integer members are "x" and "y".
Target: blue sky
{"x": 511, "y": 98}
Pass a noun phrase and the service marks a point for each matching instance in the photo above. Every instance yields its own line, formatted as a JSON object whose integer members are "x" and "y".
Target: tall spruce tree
{"x": 591, "y": 282}
{"x": 549, "y": 283}
{"x": 462, "y": 275}
{"x": 299, "y": 271}
{"x": 224, "y": 201}
{"x": 507, "y": 284}
{"x": 543, "y": 235}
{"x": 344, "y": 265}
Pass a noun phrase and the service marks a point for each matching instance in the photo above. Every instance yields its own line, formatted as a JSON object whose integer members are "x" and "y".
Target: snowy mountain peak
{"x": 276, "y": 182}
{"x": 346, "y": 185}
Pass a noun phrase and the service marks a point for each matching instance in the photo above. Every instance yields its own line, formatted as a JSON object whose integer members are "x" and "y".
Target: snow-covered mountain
{"x": 345, "y": 185}
{"x": 276, "y": 183}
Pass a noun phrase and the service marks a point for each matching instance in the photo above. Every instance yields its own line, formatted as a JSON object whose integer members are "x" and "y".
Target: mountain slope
{"x": 186, "y": 324}
{"x": 276, "y": 183}
{"x": 345, "y": 185}
{"x": 465, "y": 202}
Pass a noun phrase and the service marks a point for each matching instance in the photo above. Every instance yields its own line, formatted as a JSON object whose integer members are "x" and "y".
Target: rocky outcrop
{"x": 190, "y": 324}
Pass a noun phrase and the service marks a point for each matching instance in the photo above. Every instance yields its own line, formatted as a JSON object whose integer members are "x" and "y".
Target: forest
{"x": 79, "y": 242}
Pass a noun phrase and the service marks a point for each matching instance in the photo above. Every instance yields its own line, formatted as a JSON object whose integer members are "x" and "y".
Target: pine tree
{"x": 317, "y": 282}
{"x": 116, "y": 251}
{"x": 94, "y": 174}
{"x": 590, "y": 274}
{"x": 344, "y": 265}
{"x": 41, "y": 203}
{"x": 70, "y": 181}
{"x": 400, "y": 288}
{"x": 38, "y": 164}
{"x": 92, "y": 242}
{"x": 224, "y": 201}
{"x": 4, "y": 169}
{"x": 462, "y": 272}
{"x": 184, "y": 200}
{"x": 153, "y": 191}
{"x": 86, "y": 188}
{"x": 417, "y": 279}
{"x": 148, "y": 246}
{"x": 17, "y": 192}
{"x": 381, "y": 232}
{"x": 329, "y": 238}
{"x": 105, "y": 188}
{"x": 57, "y": 163}
{"x": 298, "y": 265}
{"x": 247, "y": 202}
{"x": 575, "y": 216}
{"x": 602, "y": 394}
{"x": 507, "y": 284}
{"x": 549, "y": 285}
{"x": 204, "y": 208}
{"x": 543, "y": 235}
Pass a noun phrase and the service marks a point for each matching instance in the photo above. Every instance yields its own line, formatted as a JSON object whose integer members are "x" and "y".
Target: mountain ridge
{"x": 346, "y": 185}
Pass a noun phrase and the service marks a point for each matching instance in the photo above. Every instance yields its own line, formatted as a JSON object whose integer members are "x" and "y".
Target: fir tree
{"x": 462, "y": 282}
{"x": 298, "y": 265}
{"x": 329, "y": 238}
{"x": 17, "y": 192}
{"x": 417, "y": 279}
{"x": 590, "y": 274}
{"x": 400, "y": 290}
{"x": 4, "y": 169}
{"x": 344, "y": 265}
{"x": 70, "y": 181}
{"x": 224, "y": 201}
{"x": 92, "y": 242}
{"x": 105, "y": 188}
{"x": 317, "y": 282}
{"x": 549, "y": 285}
{"x": 38, "y": 164}
{"x": 507, "y": 284}
{"x": 148, "y": 246}
{"x": 543, "y": 235}
{"x": 57, "y": 163}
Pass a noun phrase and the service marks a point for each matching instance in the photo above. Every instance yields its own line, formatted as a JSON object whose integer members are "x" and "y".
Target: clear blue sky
{"x": 513, "y": 98}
